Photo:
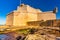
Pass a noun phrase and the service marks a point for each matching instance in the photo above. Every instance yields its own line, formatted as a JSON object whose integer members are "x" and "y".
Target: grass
{"x": 23, "y": 31}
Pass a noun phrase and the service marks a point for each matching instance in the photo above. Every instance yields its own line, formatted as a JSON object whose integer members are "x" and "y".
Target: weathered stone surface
{"x": 38, "y": 37}
{"x": 25, "y": 13}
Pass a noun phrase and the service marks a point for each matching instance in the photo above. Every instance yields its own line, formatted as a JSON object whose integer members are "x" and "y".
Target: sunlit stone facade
{"x": 26, "y": 13}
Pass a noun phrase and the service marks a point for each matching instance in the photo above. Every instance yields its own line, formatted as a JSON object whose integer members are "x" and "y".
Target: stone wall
{"x": 32, "y": 17}
{"x": 46, "y": 16}
{"x": 56, "y": 23}
{"x": 25, "y": 13}
{"x": 20, "y": 19}
{"x": 51, "y": 23}
{"x": 9, "y": 19}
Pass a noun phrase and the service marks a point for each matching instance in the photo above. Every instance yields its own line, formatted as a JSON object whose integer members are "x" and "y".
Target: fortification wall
{"x": 20, "y": 19}
{"x": 32, "y": 17}
{"x": 46, "y": 16}
{"x": 9, "y": 19}
{"x": 25, "y": 13}
{"x": 33, "y": 10}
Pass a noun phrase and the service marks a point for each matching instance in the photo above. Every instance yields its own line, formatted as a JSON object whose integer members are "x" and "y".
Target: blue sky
{"x": 7, "y": 6}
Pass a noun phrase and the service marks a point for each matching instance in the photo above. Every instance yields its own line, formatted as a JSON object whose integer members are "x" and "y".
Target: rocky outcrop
{"x": 39, "y": 37}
